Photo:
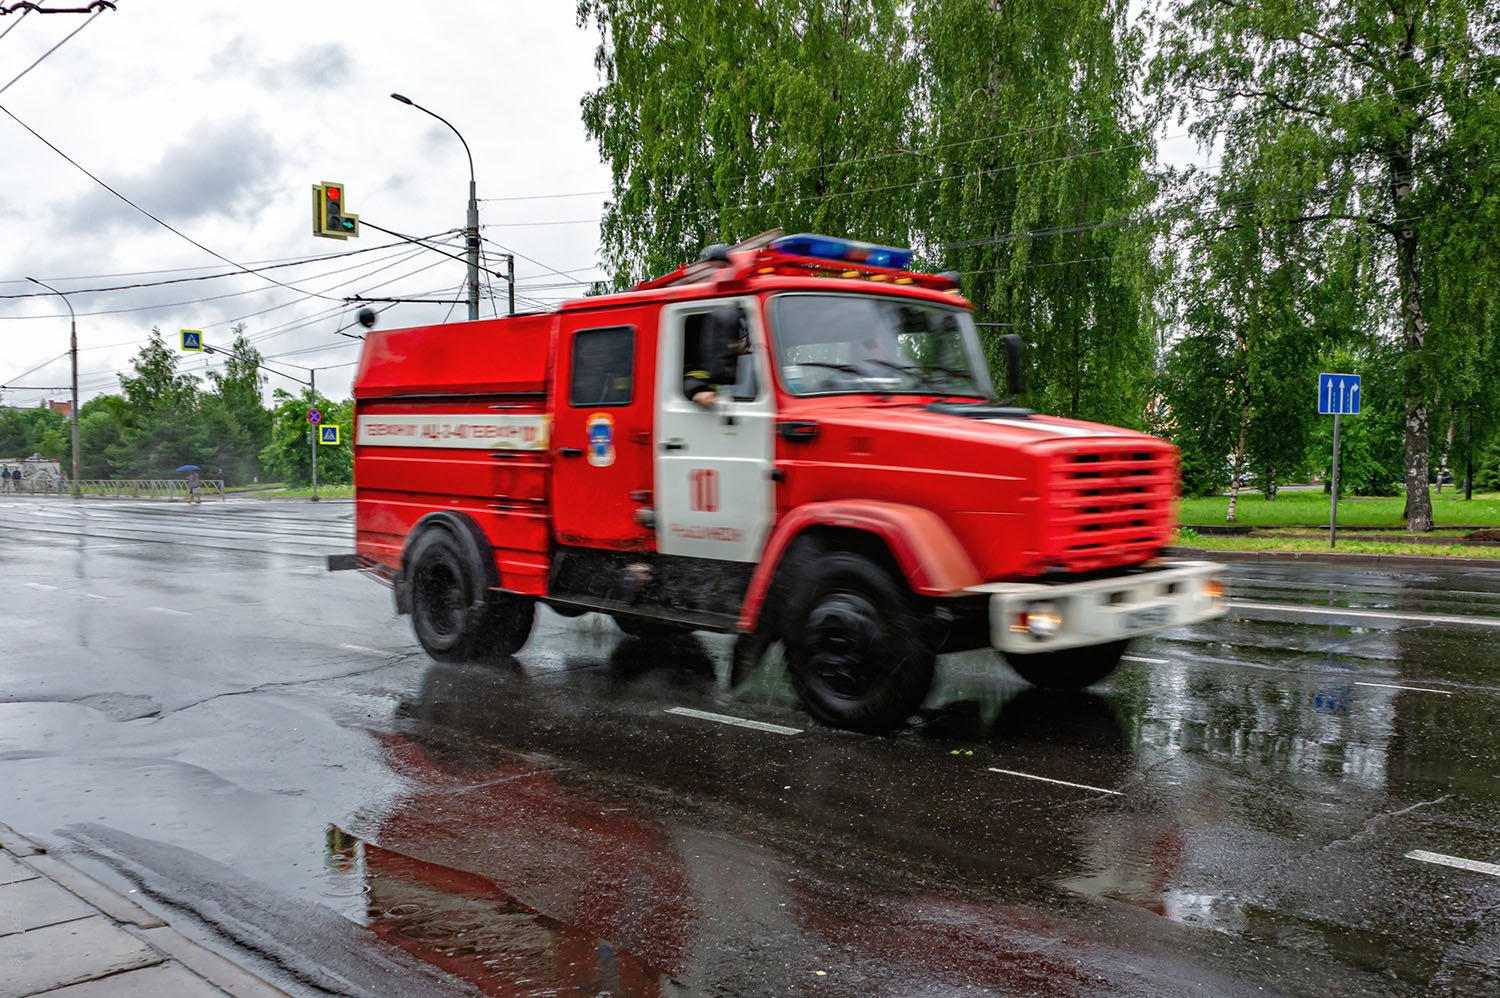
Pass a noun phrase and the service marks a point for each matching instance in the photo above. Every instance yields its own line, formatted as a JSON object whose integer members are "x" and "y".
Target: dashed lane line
{"x": 1145, "y": 661}
{"x": 41, "y": 587}
{"x": 739, "y": 722}
{"x": 1414, "y": 689}
{"x": 1061, "y": 783}
{"x": 1339, "y": 611}
{"x": 169, "y": 610}
{"x": 1457, "y": 862}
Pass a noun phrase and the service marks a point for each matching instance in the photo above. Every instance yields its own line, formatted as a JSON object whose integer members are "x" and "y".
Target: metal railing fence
{"x": 171, "y": 489}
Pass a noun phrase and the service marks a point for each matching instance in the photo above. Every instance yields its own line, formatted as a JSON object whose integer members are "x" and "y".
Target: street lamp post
{"x": 472, "y": 231}
{"x": 73, "y": 350}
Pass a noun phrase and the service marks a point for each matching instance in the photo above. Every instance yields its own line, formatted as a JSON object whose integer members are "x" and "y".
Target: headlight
{"x": 1043, "y": 620}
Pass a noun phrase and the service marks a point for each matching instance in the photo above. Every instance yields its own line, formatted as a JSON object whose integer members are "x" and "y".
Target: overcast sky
{"x": 218, "y": 117}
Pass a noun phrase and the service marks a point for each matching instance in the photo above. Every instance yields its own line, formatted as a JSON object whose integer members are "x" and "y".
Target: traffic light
{"x": 330, "y": 218}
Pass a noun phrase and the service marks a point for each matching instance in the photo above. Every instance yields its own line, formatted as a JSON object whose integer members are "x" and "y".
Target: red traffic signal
{"x": 329, "y": 218}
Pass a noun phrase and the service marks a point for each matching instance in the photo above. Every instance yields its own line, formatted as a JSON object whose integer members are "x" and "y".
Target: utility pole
{"x": 312, "y": 436}
{"x": 510, "y": 279}
{"x": 77, "y": 490}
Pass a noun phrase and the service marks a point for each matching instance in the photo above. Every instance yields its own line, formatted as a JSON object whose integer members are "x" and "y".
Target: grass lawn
{"x": 1310, "y": 508}
{"x": 1348, "y": 544}
{"x": 324, "y": 492}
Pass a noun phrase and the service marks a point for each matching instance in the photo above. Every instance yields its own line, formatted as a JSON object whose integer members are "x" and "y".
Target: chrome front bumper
{"x": 1038, "y": 616}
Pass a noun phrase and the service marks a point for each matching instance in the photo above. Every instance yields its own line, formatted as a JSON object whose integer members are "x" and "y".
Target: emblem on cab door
{"x": 601, "y": 437}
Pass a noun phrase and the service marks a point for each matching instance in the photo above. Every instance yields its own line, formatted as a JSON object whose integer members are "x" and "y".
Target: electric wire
{"x": 54, "y": 48}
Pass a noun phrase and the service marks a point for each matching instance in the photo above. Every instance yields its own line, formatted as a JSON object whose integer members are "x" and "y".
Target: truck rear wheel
{"x": 1070, "y": 668}
{"x": 857, "y": 651}
{"x": 452, "y": 622}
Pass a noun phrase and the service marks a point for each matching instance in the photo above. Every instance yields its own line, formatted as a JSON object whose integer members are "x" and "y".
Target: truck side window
{"x": 697, "y": 368}
{"x": 603, "y": 367}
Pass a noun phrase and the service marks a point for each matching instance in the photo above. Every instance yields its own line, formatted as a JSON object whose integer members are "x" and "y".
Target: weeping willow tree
{"x": 722, "y": 121}
{"x": 997, "y": 139}
{"x": 1040, "y": 192}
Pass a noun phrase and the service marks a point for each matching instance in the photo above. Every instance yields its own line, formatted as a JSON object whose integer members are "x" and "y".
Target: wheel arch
{"x": 478, "y": 556}
{"x": 912, "y": 541}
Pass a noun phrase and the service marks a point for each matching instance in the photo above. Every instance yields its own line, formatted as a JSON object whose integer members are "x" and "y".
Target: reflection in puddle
{"x": 472, "y": 929}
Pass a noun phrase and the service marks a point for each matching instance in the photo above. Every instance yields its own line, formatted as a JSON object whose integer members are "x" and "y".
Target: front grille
{"x": 1110, "y": 504}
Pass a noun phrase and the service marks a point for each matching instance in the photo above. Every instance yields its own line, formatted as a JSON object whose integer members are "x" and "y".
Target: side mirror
{"x": 1015, "y": 364}
{"x": 722, "y": 343}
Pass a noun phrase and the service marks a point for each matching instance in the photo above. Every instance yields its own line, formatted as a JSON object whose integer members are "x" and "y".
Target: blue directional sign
{"x": 328, "y": 435}
{"x": 192, "y": 339}
{"x": 1338, "y": 394}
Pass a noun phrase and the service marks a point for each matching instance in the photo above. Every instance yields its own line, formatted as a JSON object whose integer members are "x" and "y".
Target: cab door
{"x": 714, "y": 493}
{"x": 602, "y": 433}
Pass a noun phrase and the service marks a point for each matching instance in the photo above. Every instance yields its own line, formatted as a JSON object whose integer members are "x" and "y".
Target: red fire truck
{"x": 795, "y": 439}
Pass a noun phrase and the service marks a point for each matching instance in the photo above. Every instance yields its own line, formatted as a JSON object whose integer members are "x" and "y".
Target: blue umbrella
{"x": 189, "y": 467}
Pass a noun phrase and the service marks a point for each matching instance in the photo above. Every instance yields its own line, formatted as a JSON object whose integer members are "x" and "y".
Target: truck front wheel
{"x": 1070, "y": 668}
{"x": 858, "y": 652}
{"x": 449, "y": 623}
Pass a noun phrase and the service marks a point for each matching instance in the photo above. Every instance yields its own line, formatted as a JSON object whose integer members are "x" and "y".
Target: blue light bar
{"x": 843, "y": 250}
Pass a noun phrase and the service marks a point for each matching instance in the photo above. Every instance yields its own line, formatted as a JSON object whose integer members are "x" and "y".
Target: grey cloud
{"x": 220, "y": 169}
{"x": 318, "y": 67}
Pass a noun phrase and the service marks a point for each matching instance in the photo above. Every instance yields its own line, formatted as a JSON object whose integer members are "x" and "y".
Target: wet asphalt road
{"x": 193, "y": 710}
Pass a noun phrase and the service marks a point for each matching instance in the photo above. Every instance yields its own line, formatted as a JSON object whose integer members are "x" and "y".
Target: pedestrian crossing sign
{"x": 328, "y": 435}
{"x": 192, "y": 339}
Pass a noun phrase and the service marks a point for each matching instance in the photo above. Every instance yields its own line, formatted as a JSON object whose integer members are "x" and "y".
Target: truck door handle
{"x": 570, "y": 452}
{"x": 673, "y": 445}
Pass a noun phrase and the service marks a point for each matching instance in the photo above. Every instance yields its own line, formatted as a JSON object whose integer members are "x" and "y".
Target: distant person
{"x": 192, "y": 484}
{"x": 4, "y": 478}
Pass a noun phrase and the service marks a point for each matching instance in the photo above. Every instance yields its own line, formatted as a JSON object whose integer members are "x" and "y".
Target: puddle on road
{"x": 471, "y": 928}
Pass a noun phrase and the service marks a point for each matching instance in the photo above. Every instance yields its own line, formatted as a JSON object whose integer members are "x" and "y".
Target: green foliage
{"x": 24, "y": 432}
{"x": 1360, "y": 137}
{"x": 1001, "y": 142}
{"x": 288, "y": 455}
{"x": 721, "y": 123}
{"x": 1035, "y": 189}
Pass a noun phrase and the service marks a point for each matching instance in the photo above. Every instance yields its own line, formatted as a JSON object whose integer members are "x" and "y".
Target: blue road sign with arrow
{"x": 1338, "y": 394}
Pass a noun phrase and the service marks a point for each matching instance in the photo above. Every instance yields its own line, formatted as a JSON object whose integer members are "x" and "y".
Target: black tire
{"x": 451, "y": 614}
{"x": 859, "y": 654}
{"x": 1070, "y": 668}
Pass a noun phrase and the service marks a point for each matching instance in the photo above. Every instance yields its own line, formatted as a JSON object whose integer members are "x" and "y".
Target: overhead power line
{"x": 170, "y": 228}
{"x": 27, "y": 8}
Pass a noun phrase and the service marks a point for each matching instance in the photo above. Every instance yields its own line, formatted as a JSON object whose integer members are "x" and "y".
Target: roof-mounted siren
{"x": 847, "y": 251}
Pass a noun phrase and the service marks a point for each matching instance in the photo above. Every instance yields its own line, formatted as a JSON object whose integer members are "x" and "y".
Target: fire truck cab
{"x": 795, "y": 439}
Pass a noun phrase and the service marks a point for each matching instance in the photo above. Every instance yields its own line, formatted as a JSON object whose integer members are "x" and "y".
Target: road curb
{"x": 126, "y": 916}
{"x": 1334, "y": 558}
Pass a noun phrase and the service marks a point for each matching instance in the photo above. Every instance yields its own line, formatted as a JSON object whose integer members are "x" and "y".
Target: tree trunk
{"x": 1239, "y": 460}
{"x": 1413, "y": 322}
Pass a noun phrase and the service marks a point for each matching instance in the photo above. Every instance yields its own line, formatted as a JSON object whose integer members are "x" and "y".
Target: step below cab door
{"x": 714, "y": 493}
{"x": 601, "y": 478}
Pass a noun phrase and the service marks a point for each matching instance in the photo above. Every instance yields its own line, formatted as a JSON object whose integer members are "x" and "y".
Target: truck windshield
{"x": 845, "y": 343}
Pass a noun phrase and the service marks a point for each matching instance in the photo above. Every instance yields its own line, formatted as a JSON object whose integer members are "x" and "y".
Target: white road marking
{"x": 1143, "y": 659}
{"x": 1048, "y": 779}
{"x": 1336, "y": 611}
{"x": 41, "y": 587}
{"x": 167, "y": 609}
{"x": 95, "y": 596}
{"x": 1414, "y": 689}
{"x": 372, "y": 651}
{"x": 1472, "y": 865}
{"x": 740, "y": 722}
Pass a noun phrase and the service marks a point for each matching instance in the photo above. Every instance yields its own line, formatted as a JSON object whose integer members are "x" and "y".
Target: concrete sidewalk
{"x": 64, "y": 934}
